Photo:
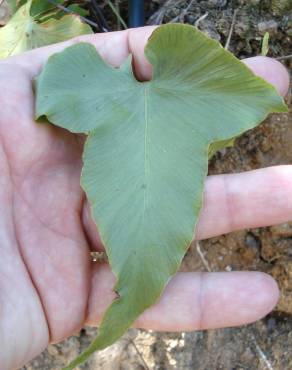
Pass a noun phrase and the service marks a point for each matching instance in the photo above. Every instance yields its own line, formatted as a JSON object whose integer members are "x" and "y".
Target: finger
{"x": 270, "y": 70}
{"x": 114, "y": 47}
{"x": 232, "y": 202}
{"x": 195, "y": 301}
{"x": 245, "y": 200}
{"x": 90, "y": 228}
{"x": 137, "y": 40}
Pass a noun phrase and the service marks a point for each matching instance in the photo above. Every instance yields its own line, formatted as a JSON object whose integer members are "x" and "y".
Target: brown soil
{"x": 266, "y": 344}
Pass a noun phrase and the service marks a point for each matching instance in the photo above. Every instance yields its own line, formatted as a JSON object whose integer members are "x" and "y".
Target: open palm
{"x": 48, "y": 286}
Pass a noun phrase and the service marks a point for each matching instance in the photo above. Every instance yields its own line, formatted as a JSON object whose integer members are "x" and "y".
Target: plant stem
{"x": 117, "y": 14}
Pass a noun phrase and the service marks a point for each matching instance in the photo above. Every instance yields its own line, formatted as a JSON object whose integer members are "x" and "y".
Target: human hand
{"x": 48, "y": 287}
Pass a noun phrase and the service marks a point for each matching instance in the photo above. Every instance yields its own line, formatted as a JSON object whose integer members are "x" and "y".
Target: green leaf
{"x": 265, "y": 44}
{"x": 78, "y": 10}
{"x": 23, "y": 33}
{"x": 218, "y": 145}
{"x": 57, "y": 13}
{"x": 146, "y": 156}
{"x": 37, "y": 6}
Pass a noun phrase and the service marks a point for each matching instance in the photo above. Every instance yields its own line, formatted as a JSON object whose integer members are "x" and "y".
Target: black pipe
{"x": 136, "y": 13}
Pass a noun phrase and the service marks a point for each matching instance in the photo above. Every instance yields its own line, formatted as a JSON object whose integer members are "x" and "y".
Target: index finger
{"x": 114, "y": 47}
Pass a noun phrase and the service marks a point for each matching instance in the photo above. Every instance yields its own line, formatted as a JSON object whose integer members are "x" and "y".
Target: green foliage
{"x": 146, "y": 155}
{"x": 78, "y": 10}
{"x": 38, "y": 7}
{"x": 28, "y": 29}
{"x": 265, "y": 44}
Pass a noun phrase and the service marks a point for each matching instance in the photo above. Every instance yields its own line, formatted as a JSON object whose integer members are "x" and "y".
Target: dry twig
{"x": 262, "y": 355}
{"x": 116, "y": 11}
{"x": 101, "y": 21}
{"x": 201, "y": 19}
{"x": 203, "y": 258}
{"x": 226, "y": 47}
{"x": 139, "y": 354}
{"x": 284, "y": 57}
{"x": 184, "y": 12}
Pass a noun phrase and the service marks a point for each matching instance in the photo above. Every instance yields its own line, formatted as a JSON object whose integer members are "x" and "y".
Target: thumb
{"x": 138, "y": 38}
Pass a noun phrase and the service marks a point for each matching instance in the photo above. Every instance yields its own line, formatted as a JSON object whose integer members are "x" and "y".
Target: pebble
{"x": 270, "y": 26}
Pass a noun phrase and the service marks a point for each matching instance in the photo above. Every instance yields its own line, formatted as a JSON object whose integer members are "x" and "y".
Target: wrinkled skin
{"x": 48, "y": 286}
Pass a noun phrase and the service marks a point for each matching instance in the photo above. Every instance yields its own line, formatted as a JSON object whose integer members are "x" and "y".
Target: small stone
{"x": 271, "y": 324}
{"x": 53, "y": 350}
{"x": 240, "y": 28}
{"x": 191, "y": 19}
{"x": 268, "y": 26}
{"x": 252, "y": 242}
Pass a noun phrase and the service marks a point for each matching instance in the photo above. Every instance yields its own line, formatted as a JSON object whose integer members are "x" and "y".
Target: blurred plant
{"x": 36, "y": 23}
{"x": 265, "y": 44}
